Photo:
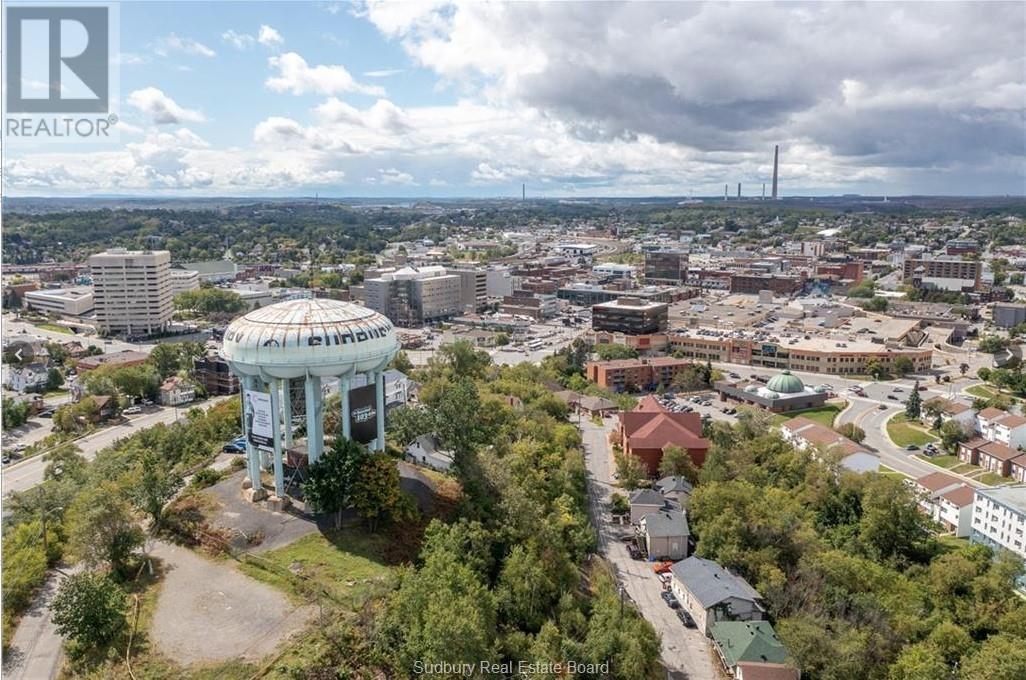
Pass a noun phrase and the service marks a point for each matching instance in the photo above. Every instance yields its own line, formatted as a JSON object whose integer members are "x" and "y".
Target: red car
{"x": 662, "y": 567}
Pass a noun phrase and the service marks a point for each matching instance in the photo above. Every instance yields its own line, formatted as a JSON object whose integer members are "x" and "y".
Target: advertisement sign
{"x": 362, "y": 411}
{"x": 259, "y": 423}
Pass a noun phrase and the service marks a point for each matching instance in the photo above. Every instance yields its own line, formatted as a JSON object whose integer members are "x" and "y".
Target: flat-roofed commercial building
{"x": 184, "y": 280}
{"x": 630, "y": 315}
{"x": 62, "y": 302}
{"x": 666, "y": 266}
{"x": 943, "y": 273}
{"x": 132, "y": 291}
{"x": 780, "y": 284}
{"x": 473, "y": 287}
{"x": 1009, "y": 314}
{"x": 414, "y": 296}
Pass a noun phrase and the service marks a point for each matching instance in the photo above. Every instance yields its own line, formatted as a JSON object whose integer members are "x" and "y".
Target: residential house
{"x": 756, "y": 670}
{"x": 29, "y": 378}
{"x": 949, "y": 409}
{"x": 665, "y": 534}
{"x": 752, "y": 641}
{"x": 647, "y": 430}
{"x": 176, "y": 391}
{"x": 675, "y": 489}
{"x": 947, "y": 501}
{"x": 425, "y": 450}
{"x": 969, "y": 451}
{"x": 710, "y": 593}
{"x": 645, "y": 502}
{"x": 1018, "y": 469}
{"x": 804, "y": 433}
{"x": 106, "y": 407}
{"x": 596, "y": 406}
{"x": 1003, "y": 427}
{"x": 997, "y": 458}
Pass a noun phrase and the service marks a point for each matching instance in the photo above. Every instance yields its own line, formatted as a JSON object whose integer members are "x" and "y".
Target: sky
{"x": 572, "y": 99}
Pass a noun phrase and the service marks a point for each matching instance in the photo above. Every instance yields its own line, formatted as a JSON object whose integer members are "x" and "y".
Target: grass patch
{"x": 54, "y": 328}
{"x": 350, "y": 565}
{"x": 824, "y": 415}
{"x": 981, "y": 391}
{"x": 946, "y": 462}
{"x": 903, "y": 433}
{"x": 992, "y": 479}
{"x": 949, "y": 543}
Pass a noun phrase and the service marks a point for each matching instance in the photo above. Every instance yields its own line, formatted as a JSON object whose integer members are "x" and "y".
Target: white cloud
{"x": 239, "y": 41}
{"x": 173, "y": 43}
{"x": 392, "y": 176}
{"x": 161, "y": 108}
{"x": 384, "y": 73}
{"x": 298, "y": 77}
{"x": 269, "y": 37}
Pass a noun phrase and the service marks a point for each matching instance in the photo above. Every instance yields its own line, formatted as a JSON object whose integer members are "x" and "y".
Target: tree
{"x": 963, "y": 368}
{"x": 54, "y": 379}
{"x": 166, "y": 358}
{"x": 629, "y": 470}
{"x": 852, "y": 432}
{"x": 983, "y": 373}
{"x": 902, "y": 365}
{"x": 952, "y": 434}
{"x": 921, "y": 661}
{"x": 501, "y": 339}
{"x": 408, "y": 422}
{"x": 876, "y": 304}
{"x": 875, "y": 368}
{"x": 376, "y": 495}
{"x": 330, "y": 482}
{"x": 914, "y": 404}
{"x": 463, "y": 360}
{"x": 892, "y": 526}
{"x": 155, "y": 484}
{"x": 89, "y": 610}
{"x": 1000, "y": 657}
{"x": 401, "y": 362}
{"x": 992, "y": 344}
{"x": 609, "y": 352}
{"x": 101, "y": 530}
{"x": 65, "y": 463}
{"x": 677, "y": 462}
{"x": 15, "y": 412}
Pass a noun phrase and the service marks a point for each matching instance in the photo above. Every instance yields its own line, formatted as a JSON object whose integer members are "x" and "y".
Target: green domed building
{"x": 783, "y": 393}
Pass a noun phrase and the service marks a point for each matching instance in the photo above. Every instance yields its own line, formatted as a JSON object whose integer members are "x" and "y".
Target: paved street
{"x": 685, "y": 652}
{"x": 26, "y": 474}
{"x": 35, "y": 649}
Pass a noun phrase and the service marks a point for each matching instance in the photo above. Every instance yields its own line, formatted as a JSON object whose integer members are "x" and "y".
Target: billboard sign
{"x": 362, "y": 411}
{"x": 259, "y": 419}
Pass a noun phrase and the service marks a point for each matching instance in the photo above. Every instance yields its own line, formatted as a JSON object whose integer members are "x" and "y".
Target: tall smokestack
{"x": 764, "y": 191}
{"x": 776, "y": 165}
{"x": 523, "y": 192}
{"x": 739, "y": 191}
{"x": 726, "y": 188}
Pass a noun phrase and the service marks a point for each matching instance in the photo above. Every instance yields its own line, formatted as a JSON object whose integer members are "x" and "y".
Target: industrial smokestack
{"x": 523, "y": 192}
{"x": 739, "y": 191}
{"x": 726, "y": 188}
{"x": 764, "y": 191}
{"x": 776, "y": 165}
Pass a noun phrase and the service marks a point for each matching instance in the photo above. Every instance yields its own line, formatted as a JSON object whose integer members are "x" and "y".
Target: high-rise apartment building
{"x": 414, "y": 296}
{"x": 473, "y": 287}
{"x": 132, "y": 291}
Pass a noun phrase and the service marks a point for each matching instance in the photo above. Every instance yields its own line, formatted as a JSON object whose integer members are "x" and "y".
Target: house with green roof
{"x": 741, "y": 641}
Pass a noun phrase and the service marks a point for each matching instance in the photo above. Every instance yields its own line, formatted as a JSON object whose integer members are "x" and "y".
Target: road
{"x": 13, "y": 328}
{"x": 35, "y": 650}
{"x": 26, "y": 474}
{"x": 686, "y": 652}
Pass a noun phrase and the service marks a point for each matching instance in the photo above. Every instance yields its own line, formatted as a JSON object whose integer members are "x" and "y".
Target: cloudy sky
{"x": 588, "y": 99}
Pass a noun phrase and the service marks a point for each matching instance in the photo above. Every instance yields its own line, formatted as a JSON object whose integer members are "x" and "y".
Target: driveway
{"x": 686, "y": 653}
{"x": 35, "y": 650}
{"x": 209, "y": 612}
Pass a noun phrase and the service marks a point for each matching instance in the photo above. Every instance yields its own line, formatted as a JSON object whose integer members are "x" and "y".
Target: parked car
{"x": 48, "y": 413}
{"x": 882, "y": 407}
{"x": 670, "y": 599}
{"x": 232, "y": 447}
{"x": 898, "y": 389}
{"x": 18, "y": 448}
{"x": 662, "y": 567}
{"x": 685, "y": 618}
{"x": 131, "y": 410}
{"x": 911, "y": 447}
{"x": 892, "y": 397}
{"x": 634, "y": 552}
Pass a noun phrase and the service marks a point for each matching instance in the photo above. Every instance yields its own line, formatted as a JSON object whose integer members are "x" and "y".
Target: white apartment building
{"x": 62, "y": 302}
{"x": 1001, "y": 426}
{"x": 184, "y": 280}
{"x": 132, "y": 291}
{"x": 619, "y": 271}
{"x": 999, "y": 518}
{"x": 947, "y": 501}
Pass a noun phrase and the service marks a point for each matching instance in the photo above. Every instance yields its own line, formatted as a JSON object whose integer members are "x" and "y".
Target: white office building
{"x": 62, "y": 302}
{"x": 184, "y": 280}
{"x": 132, "y": 291}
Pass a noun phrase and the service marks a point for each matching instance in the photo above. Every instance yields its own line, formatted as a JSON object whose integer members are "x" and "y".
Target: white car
{"x": 132, "y": 410}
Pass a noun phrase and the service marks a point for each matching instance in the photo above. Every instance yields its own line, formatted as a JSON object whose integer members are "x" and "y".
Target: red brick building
{"x": 647, "y": 430}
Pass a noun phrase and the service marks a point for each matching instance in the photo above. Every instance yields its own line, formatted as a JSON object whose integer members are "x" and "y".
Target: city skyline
{"x": 440, "y": 100}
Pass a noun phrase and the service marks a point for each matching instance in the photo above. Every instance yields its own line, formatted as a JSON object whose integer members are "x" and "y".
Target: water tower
{"x": 306, "y": 340}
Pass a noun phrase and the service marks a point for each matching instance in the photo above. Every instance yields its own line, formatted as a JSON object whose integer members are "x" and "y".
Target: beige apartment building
{"x": 132, "y": 291}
